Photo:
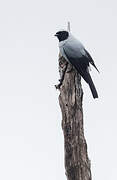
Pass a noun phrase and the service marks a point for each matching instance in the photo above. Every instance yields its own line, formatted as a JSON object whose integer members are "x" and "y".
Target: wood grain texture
{"x": 77, "y": 163}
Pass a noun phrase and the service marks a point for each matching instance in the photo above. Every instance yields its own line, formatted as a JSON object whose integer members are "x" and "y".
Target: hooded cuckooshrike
{"x": 75, "y": 53}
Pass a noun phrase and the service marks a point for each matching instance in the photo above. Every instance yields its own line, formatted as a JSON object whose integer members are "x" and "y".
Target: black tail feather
{"x": 86, "y": 76}
{"x": 93, "y": 90}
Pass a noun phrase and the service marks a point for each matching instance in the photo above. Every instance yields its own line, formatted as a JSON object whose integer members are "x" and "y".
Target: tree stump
{"x": 77, "y": 163}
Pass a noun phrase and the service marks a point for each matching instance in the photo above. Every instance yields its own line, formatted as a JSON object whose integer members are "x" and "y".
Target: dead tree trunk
{"x": 77, "y": 163}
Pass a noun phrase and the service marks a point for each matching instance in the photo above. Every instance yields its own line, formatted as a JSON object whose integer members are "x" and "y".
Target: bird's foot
{"x": 58, "y": 85}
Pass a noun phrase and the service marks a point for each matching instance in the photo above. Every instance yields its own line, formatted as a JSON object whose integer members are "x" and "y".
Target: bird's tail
{"x": 93, "y": 89}
{"x": 86, "y": 76}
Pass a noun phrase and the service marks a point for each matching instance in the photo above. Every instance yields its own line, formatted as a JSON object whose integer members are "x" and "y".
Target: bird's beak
{"x": 56, "y": 35}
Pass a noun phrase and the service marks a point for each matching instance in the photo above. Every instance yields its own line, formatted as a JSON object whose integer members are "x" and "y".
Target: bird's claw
{"x": 58, "y": 86}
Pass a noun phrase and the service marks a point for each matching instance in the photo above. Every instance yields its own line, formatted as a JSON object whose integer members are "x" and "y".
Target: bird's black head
{"x": 62, "y": 35}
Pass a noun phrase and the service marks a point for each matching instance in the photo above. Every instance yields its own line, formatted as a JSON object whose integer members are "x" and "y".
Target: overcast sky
{"x": 31, "y": 138}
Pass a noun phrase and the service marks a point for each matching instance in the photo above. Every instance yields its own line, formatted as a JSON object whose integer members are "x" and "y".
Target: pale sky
{"x": 31, "y": 138}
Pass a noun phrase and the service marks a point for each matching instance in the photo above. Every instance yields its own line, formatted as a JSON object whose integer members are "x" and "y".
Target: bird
{"x": 75, "y": 53}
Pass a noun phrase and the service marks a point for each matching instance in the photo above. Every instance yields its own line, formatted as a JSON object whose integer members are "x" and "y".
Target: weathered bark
{"x": 77, "y": 163}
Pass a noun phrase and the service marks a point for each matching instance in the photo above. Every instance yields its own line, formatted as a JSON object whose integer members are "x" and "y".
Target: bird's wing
{"x": 80, "y": 63}
{"x": 91, "y": 60}
{"x": 73, "y": 49}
